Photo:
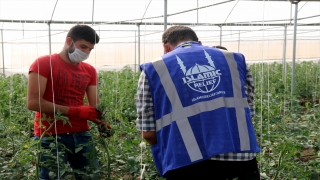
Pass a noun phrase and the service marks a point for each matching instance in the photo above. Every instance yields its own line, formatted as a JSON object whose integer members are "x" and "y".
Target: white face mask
{"x": 77, "y": 55}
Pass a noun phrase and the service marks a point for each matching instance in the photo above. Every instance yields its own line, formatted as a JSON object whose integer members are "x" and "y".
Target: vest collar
{"x": 187, "y": 44}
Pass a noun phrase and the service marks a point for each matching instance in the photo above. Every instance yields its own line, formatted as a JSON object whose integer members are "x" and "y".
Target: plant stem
{"x": 279, "y": 163}
{"x": 11, "y": 137}
{"x": 39, "y": 147}
{"x": 105, "y": 146}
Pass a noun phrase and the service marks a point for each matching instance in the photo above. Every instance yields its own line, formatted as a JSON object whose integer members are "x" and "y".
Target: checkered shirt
{"x": 146, "y": 121}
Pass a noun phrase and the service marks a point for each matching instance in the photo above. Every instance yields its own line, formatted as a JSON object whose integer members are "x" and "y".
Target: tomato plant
{"x": 286, "y": 123}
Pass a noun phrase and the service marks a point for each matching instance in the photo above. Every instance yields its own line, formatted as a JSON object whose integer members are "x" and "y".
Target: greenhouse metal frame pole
{"x": 220, "y": 35}
{"x": 197, "y": 12}
{"x": 165, "y": 18}
{"x": 138, "y": 43}
{"x": 239, "y": 42}
{"x": 49, "y": 38}
{"x": 2, "y": 53}
{"x": 165, "y": 14}
{"x": 157, "y": 23}
{"x": 135, "y": 51}
{"x": 294, "y": 44}
{"x": 284, "y": 53}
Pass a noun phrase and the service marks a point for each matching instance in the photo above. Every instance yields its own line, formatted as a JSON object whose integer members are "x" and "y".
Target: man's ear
{"x": 69, "y": 41}
{"x": 166, "y": 48}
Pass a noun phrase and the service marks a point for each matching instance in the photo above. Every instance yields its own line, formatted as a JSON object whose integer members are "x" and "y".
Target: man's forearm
{"x": 150, "y": 137}
{"x": 47, "y": 107}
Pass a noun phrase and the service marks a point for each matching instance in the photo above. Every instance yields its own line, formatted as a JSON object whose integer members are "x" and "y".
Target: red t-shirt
{"x": 67, "y": 84}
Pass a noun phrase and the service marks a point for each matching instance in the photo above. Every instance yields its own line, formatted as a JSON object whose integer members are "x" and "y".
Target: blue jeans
{"x": 76, "y": 148}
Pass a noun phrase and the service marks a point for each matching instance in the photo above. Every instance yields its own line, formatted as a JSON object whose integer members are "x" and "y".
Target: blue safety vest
{"x": 200, "y": 105}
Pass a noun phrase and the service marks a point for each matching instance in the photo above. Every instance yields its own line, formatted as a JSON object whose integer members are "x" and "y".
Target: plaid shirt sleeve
{"x": 145, "y": 120}
{"x": 249, "y": 90}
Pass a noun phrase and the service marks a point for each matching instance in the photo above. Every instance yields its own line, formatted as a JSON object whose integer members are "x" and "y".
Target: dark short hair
{"x": 175, "y": 34}
{"x": 220, "y": 47}
{"x": 79, "y": 32}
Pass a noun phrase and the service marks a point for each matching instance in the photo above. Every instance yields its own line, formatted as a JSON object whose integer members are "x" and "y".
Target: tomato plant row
{"x": 286, "y": 124}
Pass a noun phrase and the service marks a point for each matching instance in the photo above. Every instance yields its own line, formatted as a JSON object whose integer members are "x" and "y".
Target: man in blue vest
{"x": 195, "y": 105}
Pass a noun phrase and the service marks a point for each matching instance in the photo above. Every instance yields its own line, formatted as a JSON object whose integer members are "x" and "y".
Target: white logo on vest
{"x": 201, "y": 78}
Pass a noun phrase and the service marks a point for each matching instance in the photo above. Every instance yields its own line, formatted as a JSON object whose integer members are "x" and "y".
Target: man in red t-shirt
{"x": 58, "y": 83}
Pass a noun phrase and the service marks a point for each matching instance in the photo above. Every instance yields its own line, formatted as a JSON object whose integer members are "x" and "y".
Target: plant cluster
{"x": 286, "y": 124}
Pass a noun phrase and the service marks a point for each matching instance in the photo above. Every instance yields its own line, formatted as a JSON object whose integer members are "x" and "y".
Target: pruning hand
{"x": 105, "y": 129}
{"x": 86, "y": 112}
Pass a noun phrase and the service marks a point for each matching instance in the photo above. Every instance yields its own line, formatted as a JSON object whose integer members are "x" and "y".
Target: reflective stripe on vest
{"x": 180, "y": 114}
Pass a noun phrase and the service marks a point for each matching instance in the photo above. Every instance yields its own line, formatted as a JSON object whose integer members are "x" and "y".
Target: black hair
{"x": 220, "y": 47}
{"x": 79, "y": 32}
{"x": 176, "y": 34}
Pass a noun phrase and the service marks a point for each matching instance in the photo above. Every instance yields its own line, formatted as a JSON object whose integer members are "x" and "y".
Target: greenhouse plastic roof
{"x": 193, "y": 12}
{"x": 26, "y": 25}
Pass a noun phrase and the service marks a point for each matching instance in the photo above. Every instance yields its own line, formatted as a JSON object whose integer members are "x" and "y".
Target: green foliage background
{"x": 286, "y": 122}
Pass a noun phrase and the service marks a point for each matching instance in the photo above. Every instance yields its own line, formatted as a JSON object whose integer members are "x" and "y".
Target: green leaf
{"x": 78, "y": 149}
{"x": 52, "y": 145}
{"x": 62, "y": 171}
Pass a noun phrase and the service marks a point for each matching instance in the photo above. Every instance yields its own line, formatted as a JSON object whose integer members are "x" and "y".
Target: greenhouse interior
{"x": 280, "y": 40}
